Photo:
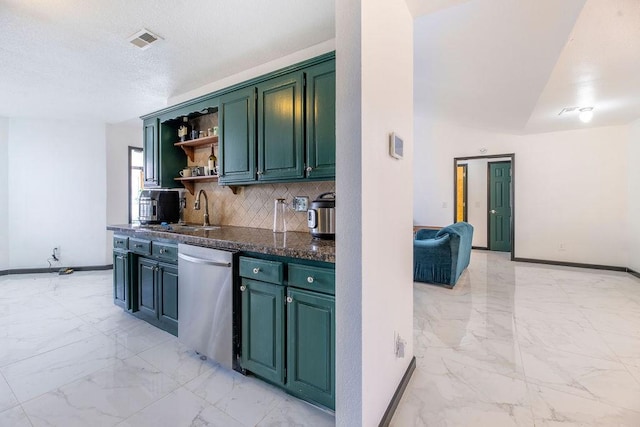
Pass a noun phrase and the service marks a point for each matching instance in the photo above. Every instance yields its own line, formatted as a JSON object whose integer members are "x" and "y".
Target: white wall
{"x": 374, "y": 292}
{"x": 262, "y": 69}
{"x": 4, "y": 188}
{"x": 567, "y": 187}
{"x": 57, "y": 192}
{"x": 633, "y": 185}
{"x": 119, "y": 137}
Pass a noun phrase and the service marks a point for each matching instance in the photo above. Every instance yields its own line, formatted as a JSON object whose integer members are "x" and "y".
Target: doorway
{"x": 473, "y": 200}
{"x": 461, "y": 193}
{"x": 136, "y": 180}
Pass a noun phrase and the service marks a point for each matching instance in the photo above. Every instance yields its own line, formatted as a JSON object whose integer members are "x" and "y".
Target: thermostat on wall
{"x": 396, "y": 146}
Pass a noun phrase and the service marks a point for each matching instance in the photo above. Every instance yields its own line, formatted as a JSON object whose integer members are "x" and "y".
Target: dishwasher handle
{"x": 203, "y": 261}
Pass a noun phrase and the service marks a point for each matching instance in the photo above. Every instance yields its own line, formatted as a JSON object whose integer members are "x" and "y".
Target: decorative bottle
{"x": 212, "y": 163}
{"x": 184, "y": 129}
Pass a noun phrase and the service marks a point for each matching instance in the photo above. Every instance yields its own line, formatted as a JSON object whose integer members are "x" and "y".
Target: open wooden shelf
{"x": 189, "y": 146}
{"x": 190, "y": 182}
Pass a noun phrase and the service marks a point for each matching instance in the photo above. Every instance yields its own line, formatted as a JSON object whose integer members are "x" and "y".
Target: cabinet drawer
{"x": 264, "y": 271}
{"x": 312, "y": 278}
{"x": 120, "y": 242}
{"x": 140, "y": 246}
{"x": 165, "y": 251}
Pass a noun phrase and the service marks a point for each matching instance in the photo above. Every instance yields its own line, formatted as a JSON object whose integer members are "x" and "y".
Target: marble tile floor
{"x": 69, "y": 357}
{"x": 519, "y": 344}
{"x": 511, "y": 344}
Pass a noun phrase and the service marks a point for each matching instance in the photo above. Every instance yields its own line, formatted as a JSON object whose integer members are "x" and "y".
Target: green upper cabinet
{"x": 237, "y": 150}
{"x": 276, "y": 127}
{"x": 280, "y": 140}
{"x": 321, "y": 120}
{"x": 162, "y": 160}
{"x": 150, "y": 147}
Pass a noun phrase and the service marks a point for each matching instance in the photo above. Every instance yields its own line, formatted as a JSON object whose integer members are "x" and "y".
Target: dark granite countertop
{"x": 290, "y": 244}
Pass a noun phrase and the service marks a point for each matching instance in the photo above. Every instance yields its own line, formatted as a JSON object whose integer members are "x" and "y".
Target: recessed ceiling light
{"x": 567, "y": 110}
{"x": 144, "y": 38}
{"x": 586, "y": 114}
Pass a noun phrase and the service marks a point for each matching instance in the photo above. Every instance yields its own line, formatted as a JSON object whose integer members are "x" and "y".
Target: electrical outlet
{"x": 444, "y": 205}
{"x": 561, "y": 247}
{"x": 300, "y": 203}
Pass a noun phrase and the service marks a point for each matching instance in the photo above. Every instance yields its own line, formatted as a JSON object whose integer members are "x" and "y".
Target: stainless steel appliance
{"x": 321, "y": 216}
{"x": 156, "y": 206}
{"x": 205, "y": 302}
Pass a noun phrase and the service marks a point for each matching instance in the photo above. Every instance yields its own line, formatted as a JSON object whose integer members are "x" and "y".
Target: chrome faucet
{"x": 196, "y": 206}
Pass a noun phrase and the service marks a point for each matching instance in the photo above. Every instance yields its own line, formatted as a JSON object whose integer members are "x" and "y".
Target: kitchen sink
{"x": 192, "y": 227}
{"x": 177, "y": 228}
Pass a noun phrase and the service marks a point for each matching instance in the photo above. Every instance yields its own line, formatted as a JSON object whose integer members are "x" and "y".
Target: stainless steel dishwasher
{"x": 205, "y": 302}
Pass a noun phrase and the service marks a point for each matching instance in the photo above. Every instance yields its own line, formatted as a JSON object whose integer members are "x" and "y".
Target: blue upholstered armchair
{"x": 440, "y": 256}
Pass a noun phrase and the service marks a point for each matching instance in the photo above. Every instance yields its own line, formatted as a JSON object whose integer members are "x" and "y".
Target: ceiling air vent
{"x": 144, "y": 38}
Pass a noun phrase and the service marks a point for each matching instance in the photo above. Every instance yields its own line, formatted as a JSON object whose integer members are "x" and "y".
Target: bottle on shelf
{"x": 184, "y": 129}
{"x": 212, "y": 163}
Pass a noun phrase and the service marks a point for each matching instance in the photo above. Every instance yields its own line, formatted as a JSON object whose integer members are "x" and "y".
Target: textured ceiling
{"x": 496, "y": 64}
{"x": 71, "y": 58}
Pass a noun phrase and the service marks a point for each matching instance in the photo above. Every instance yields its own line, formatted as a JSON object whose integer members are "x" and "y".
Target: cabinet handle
{"x": 157, "y": 268}
{"x": 309, "y": 169}
{"x": 289, "y": 300}
{"x": 309, "y": 279}
{"x": 243, "y": 288}
{"x": 256, "y": 270}
{"x": 119, "y": 242}
{"x": 162, "y": 251}
{"x": 260, "y": 172}
{"x": 137, "y": 245}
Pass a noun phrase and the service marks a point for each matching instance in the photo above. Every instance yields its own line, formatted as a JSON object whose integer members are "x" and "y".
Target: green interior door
{"x": 500, "y": 206}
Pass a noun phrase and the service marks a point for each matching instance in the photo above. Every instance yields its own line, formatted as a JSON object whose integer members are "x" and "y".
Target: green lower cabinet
{"x": 121, "y": 293}
{"x": 157, "y": 286}
{"x": 168, "y": 294}
{"x": 147, "y": 289}
{"x": 310, "y": 346}
{"x": 263, "y": 329}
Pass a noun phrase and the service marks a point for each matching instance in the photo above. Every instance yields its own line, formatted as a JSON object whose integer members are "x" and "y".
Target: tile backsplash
{"x": 253, "y": 205}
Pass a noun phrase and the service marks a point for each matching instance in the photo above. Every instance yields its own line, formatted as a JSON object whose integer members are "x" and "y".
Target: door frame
{"x": 512, "y": 157}
{"x": 489, "y": 203}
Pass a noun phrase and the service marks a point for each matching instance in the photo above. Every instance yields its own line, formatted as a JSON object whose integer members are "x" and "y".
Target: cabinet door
{"x": 171, "y": 159}
{"x": 311, "y": 345}
{"x": 321, "y": 120}
{"x": 237, "y": 149}
{"x": 121, "y": 279}
{"x": 263, "y": 329}
{"x": 150, "y": 148}
{"x": 147, "y": 289}
{"x": 280, "y": 140}
{"x": 168, "y": 293}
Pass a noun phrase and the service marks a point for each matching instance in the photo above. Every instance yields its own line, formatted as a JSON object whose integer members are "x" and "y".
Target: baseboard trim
{"x": 395, "y": 401}
{"x": 572, "y": 264}
{"x": 54, "y": 270}
{"x": 633, "y": 273}
{"x": 480, "y": 248}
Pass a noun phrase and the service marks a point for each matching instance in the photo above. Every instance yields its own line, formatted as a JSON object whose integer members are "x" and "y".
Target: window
{"x": 136, "y": 178}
